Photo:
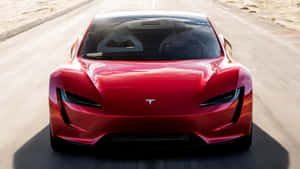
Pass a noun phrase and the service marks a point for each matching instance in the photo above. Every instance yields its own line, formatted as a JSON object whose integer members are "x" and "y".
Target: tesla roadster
{"x": 150, "y": 77}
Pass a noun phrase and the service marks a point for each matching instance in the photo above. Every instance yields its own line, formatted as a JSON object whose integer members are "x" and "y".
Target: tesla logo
{"x": 150, "y": 100}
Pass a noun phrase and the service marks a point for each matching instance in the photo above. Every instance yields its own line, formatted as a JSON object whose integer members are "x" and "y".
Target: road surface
{"x": 271, "y": 53}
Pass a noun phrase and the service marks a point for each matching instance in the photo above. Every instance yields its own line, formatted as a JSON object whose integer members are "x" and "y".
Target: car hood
{"x": 152, "y": 87}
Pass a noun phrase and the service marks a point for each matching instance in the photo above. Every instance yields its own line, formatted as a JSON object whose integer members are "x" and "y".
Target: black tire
{"x": 245, "y": 142}
{"x": 57, "y": 145}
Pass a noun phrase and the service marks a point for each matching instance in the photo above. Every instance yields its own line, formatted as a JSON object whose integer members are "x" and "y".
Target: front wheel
{"x": 245, "y": 142}
{"x": 57, "y": 145}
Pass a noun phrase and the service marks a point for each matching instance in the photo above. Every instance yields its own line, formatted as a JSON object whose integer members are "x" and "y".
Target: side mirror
{"x": 228, "y": 47}
{"x": 226, "y": 44}
{"x": 72, "y": 51}
{"x": 74, "y": 48}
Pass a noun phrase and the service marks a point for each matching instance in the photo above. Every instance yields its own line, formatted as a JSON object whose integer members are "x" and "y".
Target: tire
{"x": 57, "y": 145}
{"x": 245, "y": 142}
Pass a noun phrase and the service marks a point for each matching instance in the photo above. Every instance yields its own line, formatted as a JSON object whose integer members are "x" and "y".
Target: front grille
{"x": 117, "y": 138}
{"x": 150, "y": 143}
{"x": 150, "y": 139}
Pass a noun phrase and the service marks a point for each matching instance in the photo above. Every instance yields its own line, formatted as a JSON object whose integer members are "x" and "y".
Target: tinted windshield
{"x": 150, "y": 38}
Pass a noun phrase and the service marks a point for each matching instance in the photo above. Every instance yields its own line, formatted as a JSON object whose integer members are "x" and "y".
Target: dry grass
{"x": 17, "y": 12}
{"x": 283, "y": 12}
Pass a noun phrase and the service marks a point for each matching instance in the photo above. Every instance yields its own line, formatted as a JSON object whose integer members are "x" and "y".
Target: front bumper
{"x": 212, "y": 124}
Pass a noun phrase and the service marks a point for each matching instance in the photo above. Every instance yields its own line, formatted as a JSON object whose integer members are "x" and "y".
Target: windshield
{"x": 150, "y": 38}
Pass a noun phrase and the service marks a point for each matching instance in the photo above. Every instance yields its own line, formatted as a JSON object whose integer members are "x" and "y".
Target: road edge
{"x": 27, "y": 26}
{"x": 248, "y": 12}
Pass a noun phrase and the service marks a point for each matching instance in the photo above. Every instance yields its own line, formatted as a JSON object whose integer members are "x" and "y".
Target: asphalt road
{"x": 271, "y": 53}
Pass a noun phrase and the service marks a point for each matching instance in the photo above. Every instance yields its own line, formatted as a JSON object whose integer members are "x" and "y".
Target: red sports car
{"x": 148, "y": 77}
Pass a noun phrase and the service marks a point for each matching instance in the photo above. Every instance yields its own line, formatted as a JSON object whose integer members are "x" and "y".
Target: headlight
{"x": 222, "y": 99}
{"x": 75, "y": 99}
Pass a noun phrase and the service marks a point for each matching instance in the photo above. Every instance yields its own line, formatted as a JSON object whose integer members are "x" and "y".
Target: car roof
{"x": 156, "y": 13}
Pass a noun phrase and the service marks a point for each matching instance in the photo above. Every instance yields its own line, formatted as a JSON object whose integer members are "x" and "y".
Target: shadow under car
{"x": 265, "y": 153}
